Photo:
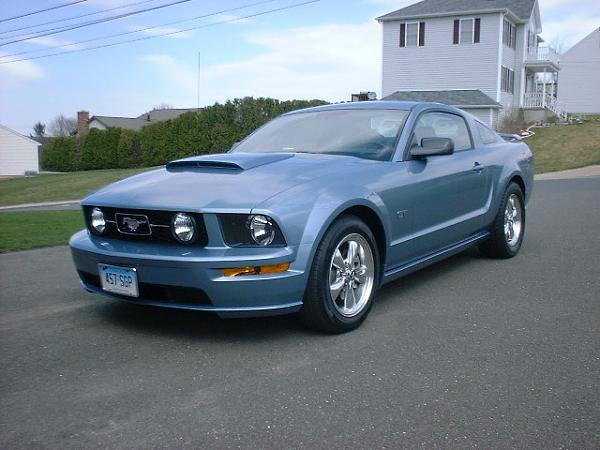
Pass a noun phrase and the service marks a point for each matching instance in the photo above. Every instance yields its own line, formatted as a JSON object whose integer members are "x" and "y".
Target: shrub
{"x": 213, "y": 129}
{"x": 60, "y": 154}
{"x": 99, "y": 149}
{"x": 129, "y": 151}
{"x": 513, "y": 121}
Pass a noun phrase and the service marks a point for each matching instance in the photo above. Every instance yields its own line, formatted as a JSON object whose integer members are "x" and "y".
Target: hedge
{"x": 213, "y": 129}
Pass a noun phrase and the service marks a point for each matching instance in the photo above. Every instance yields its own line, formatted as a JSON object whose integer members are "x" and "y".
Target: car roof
{"x": 375, "y": 104}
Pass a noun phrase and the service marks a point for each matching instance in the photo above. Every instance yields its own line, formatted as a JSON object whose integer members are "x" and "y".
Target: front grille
{"x": 178, "y": 295}
{"x": 158, "y": 221}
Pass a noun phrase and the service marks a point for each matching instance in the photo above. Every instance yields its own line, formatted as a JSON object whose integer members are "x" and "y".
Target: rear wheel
{"x": 508, "y": 228}
{"x": 343, "y": 278}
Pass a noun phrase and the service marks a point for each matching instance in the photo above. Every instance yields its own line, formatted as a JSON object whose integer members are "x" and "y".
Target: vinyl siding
{"x": 95, "y": 124}
{"x": 18, "y": 154}
{"x": 483, "y": 114}
{"x": 440, "y": 64}
{"x": 578, "y": 85}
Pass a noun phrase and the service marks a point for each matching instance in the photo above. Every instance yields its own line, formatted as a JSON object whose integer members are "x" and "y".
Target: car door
{"x": 442, "y": 197}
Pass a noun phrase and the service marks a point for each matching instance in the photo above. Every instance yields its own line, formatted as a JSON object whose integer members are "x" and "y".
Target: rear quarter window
{"x": 487, "y": 136}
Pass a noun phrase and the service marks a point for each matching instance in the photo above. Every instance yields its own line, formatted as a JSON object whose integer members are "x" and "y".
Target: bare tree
{"x": 63, "y": 126}
{"x": 558, "y": 44}
{"x": 163, "y": 105}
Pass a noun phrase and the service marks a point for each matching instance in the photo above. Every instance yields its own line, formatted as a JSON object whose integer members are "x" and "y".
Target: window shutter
{"x": 477, "y": 34}
{"x": 456, "y": 27}
{"x": 402, "y": 35}
{"x": 421, "y": 34}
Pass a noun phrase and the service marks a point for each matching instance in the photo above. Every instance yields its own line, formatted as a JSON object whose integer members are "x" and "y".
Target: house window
{"x": 507, "y": 80}
{"x": 509, "y": 35}
{"x": 412, "y": 34}
{"x": 467, "y": 31}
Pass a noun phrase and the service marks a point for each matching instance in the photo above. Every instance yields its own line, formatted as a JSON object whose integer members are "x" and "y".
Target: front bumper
{"x": 185, "y": 278}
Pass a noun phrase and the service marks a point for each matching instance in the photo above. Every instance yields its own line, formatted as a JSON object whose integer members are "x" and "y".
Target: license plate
{"x": 119, "y": 280}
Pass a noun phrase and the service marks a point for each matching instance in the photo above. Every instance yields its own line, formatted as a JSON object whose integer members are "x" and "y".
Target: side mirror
{"x": 433, "y": 147}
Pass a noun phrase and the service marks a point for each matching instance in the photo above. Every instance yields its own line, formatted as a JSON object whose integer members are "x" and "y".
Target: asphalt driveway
{"x": 470, "y": 353}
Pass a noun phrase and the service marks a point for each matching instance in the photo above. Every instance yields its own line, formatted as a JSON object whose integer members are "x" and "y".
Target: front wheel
{"x": 343, "y": 278}
{"x": 508, "y": 228}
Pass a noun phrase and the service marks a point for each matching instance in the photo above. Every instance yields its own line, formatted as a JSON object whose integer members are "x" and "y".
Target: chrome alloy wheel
{"x": 351, "y": 275}
{"x": 513, "y": 222}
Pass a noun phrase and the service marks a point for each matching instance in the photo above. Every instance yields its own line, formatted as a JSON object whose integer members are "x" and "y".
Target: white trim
{"x": 499, "y": 68}
{"x": 472, "y": 30}
{"x": 476, "y": 12}
{"x": 406, "y": 33}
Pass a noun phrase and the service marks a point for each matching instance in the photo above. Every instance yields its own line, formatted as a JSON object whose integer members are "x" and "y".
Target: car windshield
{"x": 365, "y": 133}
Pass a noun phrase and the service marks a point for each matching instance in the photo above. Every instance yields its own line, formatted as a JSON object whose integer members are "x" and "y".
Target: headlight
{"x": 184, "y": 227}
{"x": 97, "y": 220}
{"x": 262, "y": 230}
{"x": 255, "y": 230}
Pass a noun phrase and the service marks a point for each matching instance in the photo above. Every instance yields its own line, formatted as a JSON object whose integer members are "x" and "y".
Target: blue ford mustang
{"x": 311, "y": 213}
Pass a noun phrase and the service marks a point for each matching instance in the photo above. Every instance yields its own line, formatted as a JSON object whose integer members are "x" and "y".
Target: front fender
{"x": 306, "y": 212}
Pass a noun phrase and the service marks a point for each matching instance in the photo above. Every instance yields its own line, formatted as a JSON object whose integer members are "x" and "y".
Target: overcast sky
{"x": 326, "y": 49}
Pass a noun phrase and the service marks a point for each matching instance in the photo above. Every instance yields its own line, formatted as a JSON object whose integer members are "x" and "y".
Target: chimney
{"x": 83, "y": 117}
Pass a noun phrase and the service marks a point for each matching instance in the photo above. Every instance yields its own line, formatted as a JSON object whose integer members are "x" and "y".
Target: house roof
{"x": 459, "y": 98}
{"x": 136, "y": 123}
{"x": 522, "y": 9}
{"x": 127, "y": 123}
{"x": 158, "y": 115}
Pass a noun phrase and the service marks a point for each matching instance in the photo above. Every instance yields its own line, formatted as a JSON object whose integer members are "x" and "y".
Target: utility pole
{"x": 198, "y": 80}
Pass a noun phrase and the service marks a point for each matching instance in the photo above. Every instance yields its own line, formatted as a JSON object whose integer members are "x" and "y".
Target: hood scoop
{"x": 227, "y": 161}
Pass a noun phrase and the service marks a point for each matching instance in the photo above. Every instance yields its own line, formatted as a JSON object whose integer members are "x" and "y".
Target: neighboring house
{"x": 18, "y": 153}
{"x": 580, "y": 76}
{"x": 128, "y": 123}
{"x": 488, "y": 47}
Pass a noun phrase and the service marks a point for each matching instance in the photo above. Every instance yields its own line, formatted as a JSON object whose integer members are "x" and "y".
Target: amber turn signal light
{"x": 258, "y": 270}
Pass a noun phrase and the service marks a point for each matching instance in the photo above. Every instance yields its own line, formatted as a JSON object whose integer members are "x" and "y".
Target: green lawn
{"x": 562, "y": 147}
{"x": 23, "y": 230}
{"x": 57, "y": 187}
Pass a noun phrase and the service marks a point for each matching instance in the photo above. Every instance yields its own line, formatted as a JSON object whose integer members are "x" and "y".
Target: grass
{"x": 58, "y": 187}
{"x": 562, "y": 147}
{"x": 24, "y": 230}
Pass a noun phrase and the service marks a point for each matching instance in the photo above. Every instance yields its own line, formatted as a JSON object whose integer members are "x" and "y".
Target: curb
{"x": 40, "y": 205}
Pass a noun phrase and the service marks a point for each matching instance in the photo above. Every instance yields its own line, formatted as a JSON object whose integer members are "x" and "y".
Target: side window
{"x": 487, "y": 135}
{"x": 444, "y": 125}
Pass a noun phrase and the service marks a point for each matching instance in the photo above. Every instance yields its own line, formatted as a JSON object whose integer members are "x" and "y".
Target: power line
{"x": 140, "y": 30}
{"x": 42, "y": 10}
{"x": 262, "y": 13}
{"x": 70, "y": 18}
{"x": 93, "y": 22}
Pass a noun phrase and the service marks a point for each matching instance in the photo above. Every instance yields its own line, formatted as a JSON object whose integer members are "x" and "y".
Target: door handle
{"x": 477, "y": 167}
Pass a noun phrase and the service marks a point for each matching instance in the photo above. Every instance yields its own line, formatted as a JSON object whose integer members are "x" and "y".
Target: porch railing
{"x": 542, "y": 54}
{"x": 543, "y": 100}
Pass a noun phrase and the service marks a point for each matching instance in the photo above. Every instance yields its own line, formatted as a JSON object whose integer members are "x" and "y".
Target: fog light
{"x": 184, "y": 227}
{"x": 258, "y": 270}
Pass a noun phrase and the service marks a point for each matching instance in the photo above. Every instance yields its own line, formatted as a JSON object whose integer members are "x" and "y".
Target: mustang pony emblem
{"x": 133, "y": 224}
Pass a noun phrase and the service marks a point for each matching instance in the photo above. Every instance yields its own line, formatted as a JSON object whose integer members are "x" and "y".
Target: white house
{"x": 580, "y": 76}
{"x": 18, "y": 154}
{"x": 489, "y": 50}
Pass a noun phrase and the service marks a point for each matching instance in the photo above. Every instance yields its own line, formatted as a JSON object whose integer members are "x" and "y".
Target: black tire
{"x": 319, "y": 311}
{"x": 499, "y": 245}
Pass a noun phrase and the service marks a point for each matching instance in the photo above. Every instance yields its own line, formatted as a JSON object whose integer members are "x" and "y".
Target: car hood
{"x": 228, "y": 181}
